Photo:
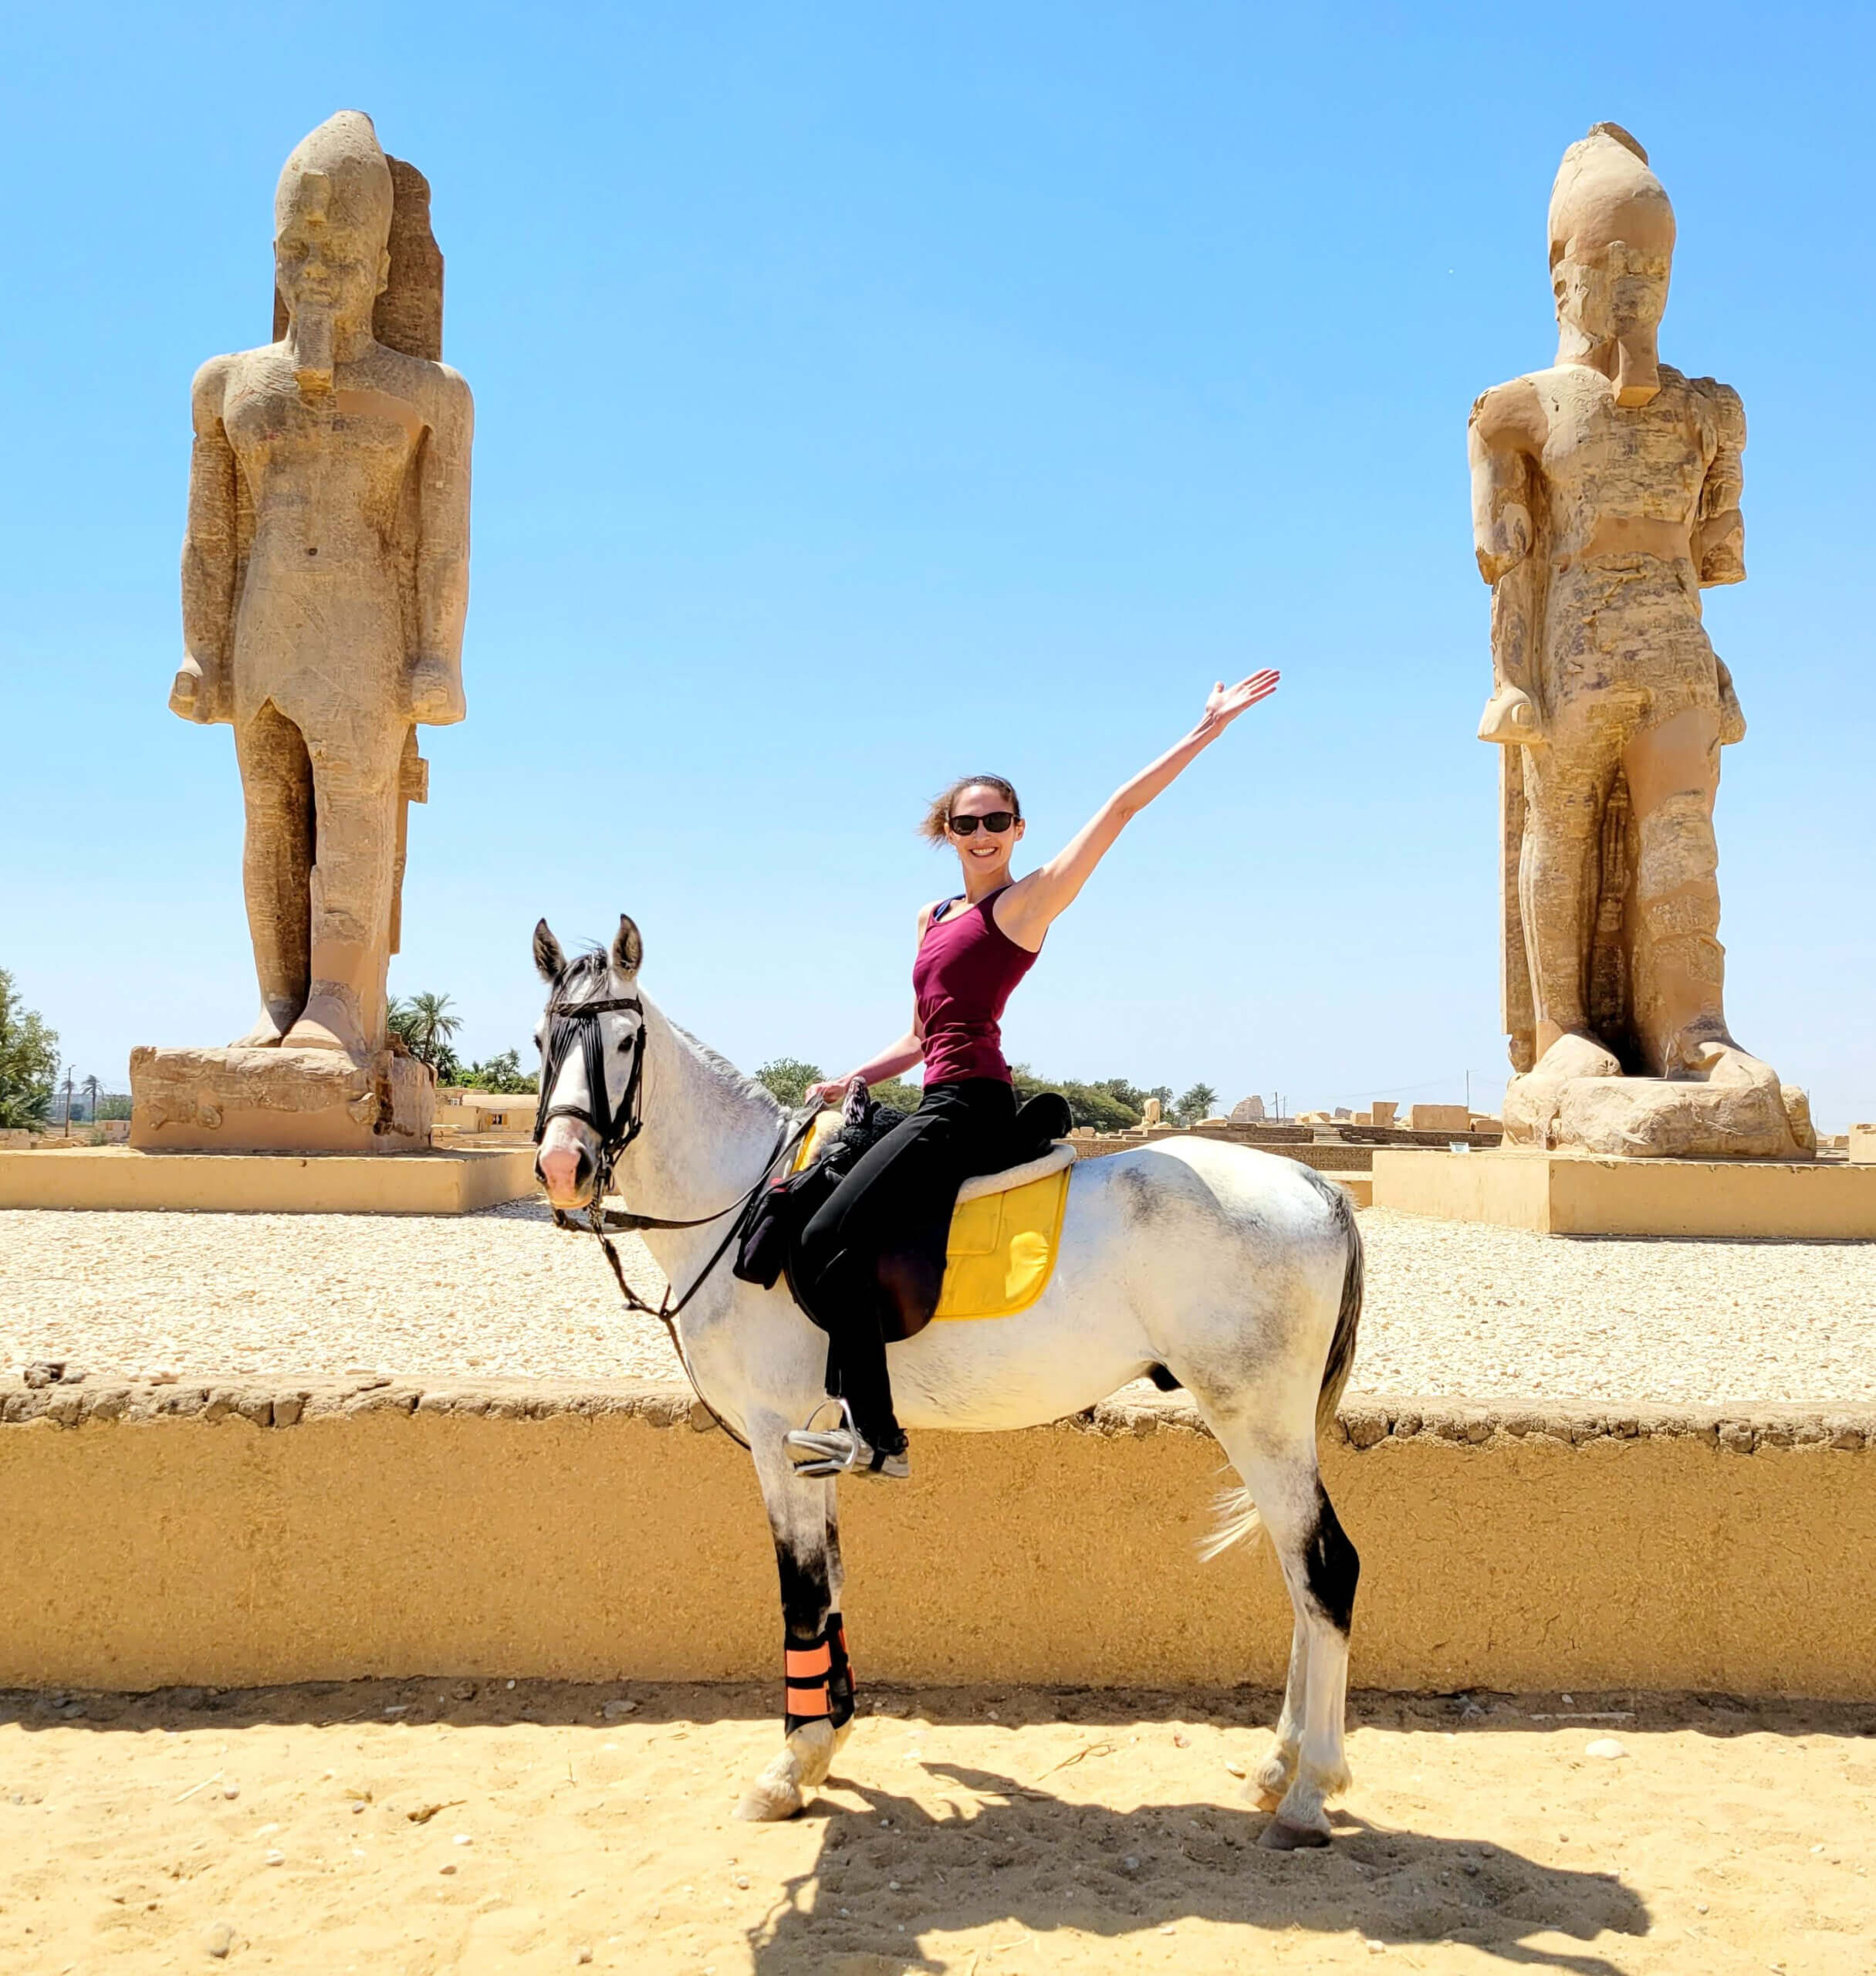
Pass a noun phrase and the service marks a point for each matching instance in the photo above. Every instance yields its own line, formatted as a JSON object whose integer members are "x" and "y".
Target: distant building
{"x": 487, "y": 1111}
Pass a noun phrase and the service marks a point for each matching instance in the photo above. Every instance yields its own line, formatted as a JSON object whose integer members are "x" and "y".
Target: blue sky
{"x": 868, "y": 395}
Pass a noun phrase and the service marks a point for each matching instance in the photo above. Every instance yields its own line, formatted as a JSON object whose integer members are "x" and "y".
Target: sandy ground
{"x": 1453, "y": 1311}
{"x": 416, "y": 1827}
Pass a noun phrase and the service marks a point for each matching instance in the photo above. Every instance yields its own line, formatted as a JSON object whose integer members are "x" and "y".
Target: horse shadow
{"x": 1008, "y": 1857}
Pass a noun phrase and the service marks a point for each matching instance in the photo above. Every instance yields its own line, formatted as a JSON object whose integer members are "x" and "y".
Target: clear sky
{"x": 869, "y": 394}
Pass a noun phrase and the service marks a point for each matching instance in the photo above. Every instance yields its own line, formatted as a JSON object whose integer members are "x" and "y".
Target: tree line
{"x": 1112, "y": 1105}
{"x": 28, "y": 1062}
{"x": 426, "y": 1025}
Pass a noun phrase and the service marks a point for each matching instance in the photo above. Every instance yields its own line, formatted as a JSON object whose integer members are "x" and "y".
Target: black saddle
{"x": 912, "y": 1278}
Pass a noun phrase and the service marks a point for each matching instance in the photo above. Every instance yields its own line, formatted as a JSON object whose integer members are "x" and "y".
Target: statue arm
{"x": 1503, "y": 438}
{"x": 1500, "y": 445}
{"x": 202, "y": 691}
{"x": 443, "y": 555}
{"x": 1719, "y": 528}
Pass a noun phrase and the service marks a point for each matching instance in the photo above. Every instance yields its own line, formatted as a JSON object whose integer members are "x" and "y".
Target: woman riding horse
{"x": 972, "y": 950}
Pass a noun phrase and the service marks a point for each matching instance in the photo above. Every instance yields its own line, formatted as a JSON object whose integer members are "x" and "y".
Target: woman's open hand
{"x": 829, "y": 1090}
{"x": 1224, "y": 704}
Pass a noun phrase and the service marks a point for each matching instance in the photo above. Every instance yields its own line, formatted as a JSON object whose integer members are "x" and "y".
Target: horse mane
{"x": 590, "y": 970}
{"x": 586, "y": 970}
{"x": 726, "y": 1073}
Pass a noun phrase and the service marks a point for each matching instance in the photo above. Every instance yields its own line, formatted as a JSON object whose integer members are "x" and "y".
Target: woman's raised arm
{"x": 1030, "y": 906}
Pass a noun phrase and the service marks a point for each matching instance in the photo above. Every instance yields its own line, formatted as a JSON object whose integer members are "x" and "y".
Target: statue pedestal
{"x": 278, "y": 1100}
{"x": 121, "y": 1178}
{"x": 1576, "y": 1193}
{"x": 1657, "y": 1118}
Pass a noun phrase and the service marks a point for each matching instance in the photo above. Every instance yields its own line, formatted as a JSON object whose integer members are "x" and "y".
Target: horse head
{"x": 591, "y": 1038}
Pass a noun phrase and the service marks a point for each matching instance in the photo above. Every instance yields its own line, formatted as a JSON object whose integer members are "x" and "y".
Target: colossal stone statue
{"x": 1605, "y": 495}
{"x": 324, "y": 580}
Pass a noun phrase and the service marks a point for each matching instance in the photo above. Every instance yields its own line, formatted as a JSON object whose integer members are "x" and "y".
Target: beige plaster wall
{"x": 235, "y": 1536}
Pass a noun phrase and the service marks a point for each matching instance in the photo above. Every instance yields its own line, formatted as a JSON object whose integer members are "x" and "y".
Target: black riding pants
{"x": 867, "y": 1258}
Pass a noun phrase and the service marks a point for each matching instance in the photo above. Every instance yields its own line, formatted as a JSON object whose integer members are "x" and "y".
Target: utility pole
{"x": 68, "y": 1103}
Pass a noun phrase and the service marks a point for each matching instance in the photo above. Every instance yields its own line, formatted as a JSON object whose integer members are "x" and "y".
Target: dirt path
{"x": 414, "y": 1827}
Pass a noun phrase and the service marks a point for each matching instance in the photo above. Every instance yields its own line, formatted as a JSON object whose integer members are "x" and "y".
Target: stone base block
{"x": 267, "y": 1183}
{"x": 1749, "y": 1119}
{"x": 278, "y": 1100}
{"x": 1565, "y": 1194}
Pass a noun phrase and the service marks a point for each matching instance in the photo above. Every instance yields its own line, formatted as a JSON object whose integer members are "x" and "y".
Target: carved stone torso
{"x": 325, "y": 609}
{"x": 1604, "y": 463}
{"x": 1622, "y": 489}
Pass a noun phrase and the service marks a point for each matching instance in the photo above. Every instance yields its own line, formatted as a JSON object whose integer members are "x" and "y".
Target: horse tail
{"x": 1235, "y": 1518}
{"x": 1234, "y": 1521}
{"x": 1341, "y": 1358}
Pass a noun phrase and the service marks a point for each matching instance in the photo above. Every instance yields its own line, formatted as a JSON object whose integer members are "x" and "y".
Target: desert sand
{"x": 418, "y": 1826}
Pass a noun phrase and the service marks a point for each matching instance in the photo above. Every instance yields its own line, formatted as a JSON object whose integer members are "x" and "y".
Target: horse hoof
{"x": 1279, "y": 1837}
{"x": 765, "y": 1803}
{"x": 1266, "y": 1801}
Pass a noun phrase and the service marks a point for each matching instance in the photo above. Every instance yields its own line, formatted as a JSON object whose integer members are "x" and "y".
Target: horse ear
{"x": 628, "y": 949}
{"x": 547, "y": 955}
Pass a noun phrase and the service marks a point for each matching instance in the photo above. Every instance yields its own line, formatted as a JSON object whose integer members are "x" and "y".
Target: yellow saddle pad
{"x": 1005, "y": 1232}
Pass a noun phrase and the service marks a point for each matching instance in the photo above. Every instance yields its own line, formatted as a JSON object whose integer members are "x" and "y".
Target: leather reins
{"x": 615, "y": 1128}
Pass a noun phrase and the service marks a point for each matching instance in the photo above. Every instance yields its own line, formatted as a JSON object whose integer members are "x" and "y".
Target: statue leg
{"x": 1679, "y": 978}
{"x": 276, "y": 866}
{"x": 1566, "y": 784}
{"x": 356, "y": 792}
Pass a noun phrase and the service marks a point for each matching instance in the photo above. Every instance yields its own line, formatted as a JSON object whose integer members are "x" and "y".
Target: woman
{"x": 972, "y": 951}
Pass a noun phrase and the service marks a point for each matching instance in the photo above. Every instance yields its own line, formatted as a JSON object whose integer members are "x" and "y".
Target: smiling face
{"x": 983, "y": 854}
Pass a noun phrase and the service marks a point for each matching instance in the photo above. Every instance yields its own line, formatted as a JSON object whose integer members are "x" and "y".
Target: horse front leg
{"x": 817, "y": 1678}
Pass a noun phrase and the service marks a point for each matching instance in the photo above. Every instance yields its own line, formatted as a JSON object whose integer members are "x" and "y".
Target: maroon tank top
{"x": 961, "y": 977}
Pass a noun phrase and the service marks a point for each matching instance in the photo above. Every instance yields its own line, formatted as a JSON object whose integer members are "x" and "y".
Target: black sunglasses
{"x": 995, "y": 821}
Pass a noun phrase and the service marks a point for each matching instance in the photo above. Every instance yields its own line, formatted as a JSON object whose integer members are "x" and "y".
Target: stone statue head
{"x": 332, "y": 230}
{"x": 1611, "y": 246}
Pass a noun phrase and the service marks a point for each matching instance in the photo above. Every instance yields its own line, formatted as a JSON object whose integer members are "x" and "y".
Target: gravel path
{"x": 1453, "y": 1311}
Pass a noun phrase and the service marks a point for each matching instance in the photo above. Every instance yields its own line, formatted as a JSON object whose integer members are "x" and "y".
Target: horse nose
{"x": 563, "y": 1170}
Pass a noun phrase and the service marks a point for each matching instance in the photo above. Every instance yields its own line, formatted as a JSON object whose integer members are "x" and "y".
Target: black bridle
{"x": 577, "y": 1025}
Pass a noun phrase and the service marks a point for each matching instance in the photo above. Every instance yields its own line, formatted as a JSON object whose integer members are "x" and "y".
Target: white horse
{"x": 1239, "y": 1273}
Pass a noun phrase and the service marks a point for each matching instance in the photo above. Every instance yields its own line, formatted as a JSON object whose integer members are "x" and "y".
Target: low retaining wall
{"x": 444, "y": 1180}
{"x": 1579, "y": 1193}
{"x": 233, "y": 1535}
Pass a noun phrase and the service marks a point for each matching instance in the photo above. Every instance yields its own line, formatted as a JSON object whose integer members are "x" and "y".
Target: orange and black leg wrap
{"x": 819, "y": 1678}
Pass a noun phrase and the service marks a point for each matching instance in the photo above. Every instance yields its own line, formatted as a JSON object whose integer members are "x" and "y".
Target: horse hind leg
{"x": 1278, "y": 1771}
{"x": 1321, "y": 1572}
{"x": 1309, "y": 1764}
{"x": 817, "y": 1678}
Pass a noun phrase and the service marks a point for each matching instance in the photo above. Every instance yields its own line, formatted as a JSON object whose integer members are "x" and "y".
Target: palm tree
{"x": 425, "y": 1026}
{"x": 1196, "y": 1103}
{"x": 91, "y": 1096}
